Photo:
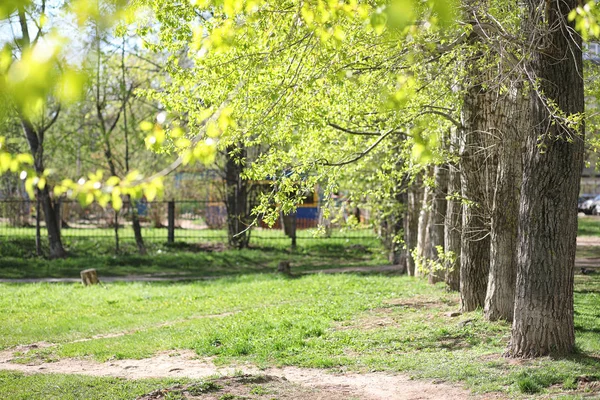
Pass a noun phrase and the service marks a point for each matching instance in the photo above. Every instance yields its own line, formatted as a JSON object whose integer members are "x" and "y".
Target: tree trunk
{"x": 116, "y": 229}
{"x": 477, "y": 167}
{"x": 289, "y": 223}
{"x": 35, "y": 139}
{"x": 411, "y": 224}
{"x": 423, "y": 240}
{"x": 453, "y": 221}
{"x": 475, "y": 184}
{"x": 397, "y": 251}
{"x": 137, "y": 228}
{"x": 54, "y": 240}
{"x": 436, "y": 225}
{"x": 543, "y": 320}
{"x": 475, "y": 239}
{"x": 511, "y": 122}
{"x": 236, "y": 198}
{"x": 38, "y": 233}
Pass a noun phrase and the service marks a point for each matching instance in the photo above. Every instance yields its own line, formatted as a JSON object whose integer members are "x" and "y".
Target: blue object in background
{"x": 307, "y": 213}
{"x": 142, "y": 207}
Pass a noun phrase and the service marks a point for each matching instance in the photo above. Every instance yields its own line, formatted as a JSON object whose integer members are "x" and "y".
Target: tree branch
{"x": 442, "y": 114}
{"x": 367, "y": 151}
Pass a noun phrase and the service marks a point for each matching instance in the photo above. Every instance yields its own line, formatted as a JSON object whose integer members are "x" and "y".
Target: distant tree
{"x": 37, "y": 122}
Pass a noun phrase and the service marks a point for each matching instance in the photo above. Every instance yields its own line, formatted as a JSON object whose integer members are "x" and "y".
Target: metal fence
{"x": 167, "y": 221}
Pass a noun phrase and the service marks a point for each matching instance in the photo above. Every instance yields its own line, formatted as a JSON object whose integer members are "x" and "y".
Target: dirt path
{"x": 368, "y": 386}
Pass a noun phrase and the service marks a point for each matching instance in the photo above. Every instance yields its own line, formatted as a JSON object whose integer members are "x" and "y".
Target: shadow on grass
{"x": 587, "y": 291}
{"x": 586, "y": 329}
{"x": 583, "y": 359}
{"x": 18, "y": 259}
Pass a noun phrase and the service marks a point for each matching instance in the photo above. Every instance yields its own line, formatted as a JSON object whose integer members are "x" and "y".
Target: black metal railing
{"x": 166, "y": 221}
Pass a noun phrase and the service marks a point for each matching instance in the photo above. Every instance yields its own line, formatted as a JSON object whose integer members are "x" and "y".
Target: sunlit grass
{"x": 342, "y": 321}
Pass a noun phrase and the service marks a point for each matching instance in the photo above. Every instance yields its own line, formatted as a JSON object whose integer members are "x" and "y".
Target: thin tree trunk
{"x": 453, "y": 222}
{"x": 436, "y": 226}
{"x": 236, "y": 198}
{"x": 411, "y": 224}
{"x": 543, "y": 316}
{"x": 116, "y": 229}
{"x": 38, "y": 233}
{"x": 398, "y": 253}
{"x": 137, "y": 227}
{"x": 423, "y": 240}
{"x": 35, "y": 139}
{"x": 54, "y": 240}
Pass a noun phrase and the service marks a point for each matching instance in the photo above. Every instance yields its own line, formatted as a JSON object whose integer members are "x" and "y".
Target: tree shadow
{"x": 583, "y": 359}
{"x": 587, "y": 330}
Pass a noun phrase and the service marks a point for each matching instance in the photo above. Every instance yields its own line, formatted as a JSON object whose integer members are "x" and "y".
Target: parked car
{"x": 588, "y": 204}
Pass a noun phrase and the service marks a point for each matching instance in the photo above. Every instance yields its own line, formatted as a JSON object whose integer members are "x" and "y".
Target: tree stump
{"x": 284, "y": 267}
{"x": 89, "y": 277}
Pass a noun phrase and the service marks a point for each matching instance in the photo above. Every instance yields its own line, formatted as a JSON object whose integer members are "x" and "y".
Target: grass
{"x": 182, "y": 259}
{"x": 258, "y": 236}
{"x": 72, "y": 387}
{"x": 340, "y": 321}
{"x": 588, "y": 226}
{"x": 343, "y": 322}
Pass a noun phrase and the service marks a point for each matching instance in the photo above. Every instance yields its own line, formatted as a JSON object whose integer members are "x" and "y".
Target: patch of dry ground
{"x": 286, "y": 383}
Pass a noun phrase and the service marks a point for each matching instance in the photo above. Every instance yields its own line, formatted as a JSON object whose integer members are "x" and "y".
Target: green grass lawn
{"x": 76, "y": 387}
{"x": 342, "y": 322}
{"x": 588, "y": 226}
{"x": 362, "y": 323}
{"x": 184, "y": 259}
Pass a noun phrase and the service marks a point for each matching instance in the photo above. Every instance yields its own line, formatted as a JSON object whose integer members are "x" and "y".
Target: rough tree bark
{"x": 510, "y": 124}
{"x": 475, "y": 167}
{"x": 543, "y": 320}
{"x": 437, "y": 218}
{"x": 453, "y": 222}
{"x": 236, "y": 201}
{"x": 411, "y": 224}
{"x": 423, "y": 239}
{"x": 397, "y": 226}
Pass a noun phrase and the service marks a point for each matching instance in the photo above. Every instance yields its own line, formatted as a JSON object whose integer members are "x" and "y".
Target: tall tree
{"x": 439, "y": 205}
{"x": 35, "y": 130}
{"x": 475, "y": 185}
{"x": 509, "y": 124}
{"x": 543, "y": 316}
{"x": 453, "y": 222}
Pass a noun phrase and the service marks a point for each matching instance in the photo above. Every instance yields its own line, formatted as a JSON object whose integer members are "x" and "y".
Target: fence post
{"x": 171, "y": 221}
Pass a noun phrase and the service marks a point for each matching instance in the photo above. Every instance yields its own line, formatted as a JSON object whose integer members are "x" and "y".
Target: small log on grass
{"x": 89, "y": 277}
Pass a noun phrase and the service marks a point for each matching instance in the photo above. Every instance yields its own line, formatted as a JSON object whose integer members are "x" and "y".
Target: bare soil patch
{"x": 282, "y": 383}
{"x": 588, "y": 240}
{"x": 417, "y": 303}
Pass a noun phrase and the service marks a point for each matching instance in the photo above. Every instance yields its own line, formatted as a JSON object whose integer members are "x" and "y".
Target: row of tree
{"x": 467, "y": 137}
{"x": 461, "y": 123}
